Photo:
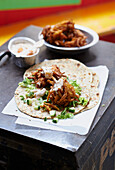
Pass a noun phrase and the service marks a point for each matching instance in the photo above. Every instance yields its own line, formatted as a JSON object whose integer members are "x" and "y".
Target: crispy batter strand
{"x": 47, "y": 107}
{"x": 63, "y": 96}
{"x": 52, "y": 106}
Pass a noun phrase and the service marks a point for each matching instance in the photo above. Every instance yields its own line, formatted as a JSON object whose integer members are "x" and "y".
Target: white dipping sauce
{"x": 48, "y": 72}
{"x": 23, "y": 48}
{"x": 39, "y": 92}
{"x": 58, "y": 85}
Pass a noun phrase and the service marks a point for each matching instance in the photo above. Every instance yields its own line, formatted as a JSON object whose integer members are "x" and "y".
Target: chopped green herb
{"x": 64, "y": 111}
{"x": 31, "y": 94}
{"x": 31, "y": 80}
{"x": 40, "y": 100}
{"x": 29, "y": 102}
{"x": 46, "y": 92}
{"x": 28, "y": 90}
{"x": 44, "y": 109}
{"x": 25, "y": 101}
{"x": 73, "y": 103}
{"x": 75, "y": 85}
{"x": 45, "y": 119}
{"x": 45, "y": 95}
{"x": 52, "y": 113}
{"x": 78, "y": 89}
{"x": 22, "y": 84}
{"x": 27, "y": 81}
{"x": 31, "y": 87}
{"x": 83, "y": 101}
{"x": 67, "y": 115}
{"x": 60, "y": 117}
{"x": 45, "y": 100}
{"x": 37, "y": 107}
{"x": 72, "y": 109}
{"x": 55, "y": 120}
{"x": 22, "y": 97}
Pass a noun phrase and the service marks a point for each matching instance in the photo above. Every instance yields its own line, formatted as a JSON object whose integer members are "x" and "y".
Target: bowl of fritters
{"x": 67, "y": 36}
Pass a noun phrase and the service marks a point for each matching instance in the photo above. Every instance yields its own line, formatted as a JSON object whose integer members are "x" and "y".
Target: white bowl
{"x": 92, "y": 39}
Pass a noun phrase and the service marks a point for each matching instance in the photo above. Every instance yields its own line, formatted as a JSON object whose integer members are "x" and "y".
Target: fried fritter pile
{"x": 59, "y": 94}
{"x": 42, "y": 79}
{"x": 64, "y": 34}
{"x": 64, "y": 95}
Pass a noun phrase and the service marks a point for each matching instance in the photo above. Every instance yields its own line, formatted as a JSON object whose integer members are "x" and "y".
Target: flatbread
{"x": 75, "y": 70}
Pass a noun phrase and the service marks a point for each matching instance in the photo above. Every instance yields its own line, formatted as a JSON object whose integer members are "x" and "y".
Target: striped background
{"x": 18, "y": 10}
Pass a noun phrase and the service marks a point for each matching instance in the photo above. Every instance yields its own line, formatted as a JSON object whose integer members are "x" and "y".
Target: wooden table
{"x": 34, "y": 148}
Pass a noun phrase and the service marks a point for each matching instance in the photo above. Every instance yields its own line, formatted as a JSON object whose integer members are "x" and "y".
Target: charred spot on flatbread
{"x": 92, "y": 86}
{"x": 78, "y": 64}
{"x": 94, "y": 74}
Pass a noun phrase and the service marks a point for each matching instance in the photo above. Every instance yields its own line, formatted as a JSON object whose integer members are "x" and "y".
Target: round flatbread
{"x": 75, "y": 70}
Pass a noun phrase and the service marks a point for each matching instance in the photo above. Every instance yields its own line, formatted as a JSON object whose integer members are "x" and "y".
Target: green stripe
{"x": 22, "y": 4}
